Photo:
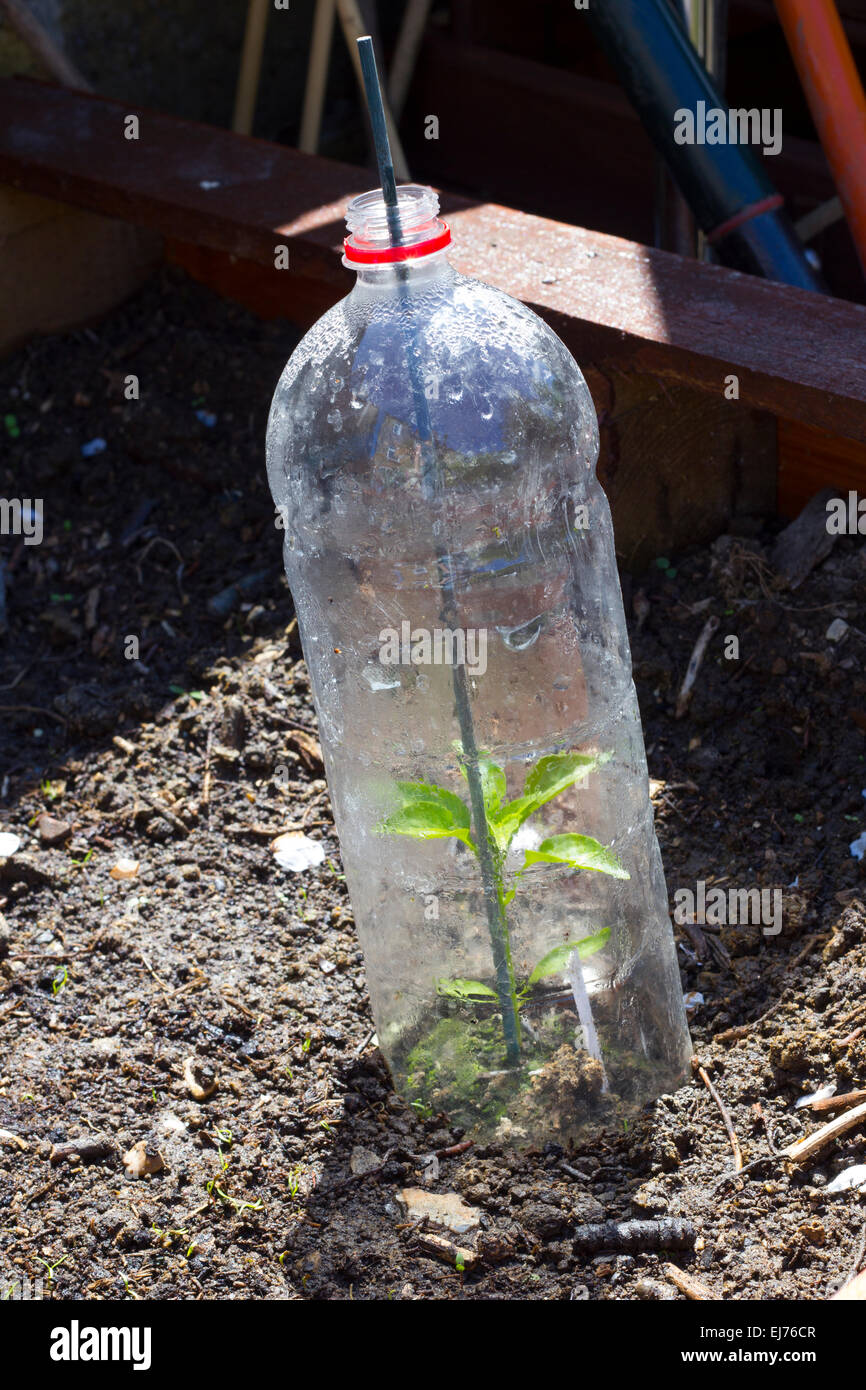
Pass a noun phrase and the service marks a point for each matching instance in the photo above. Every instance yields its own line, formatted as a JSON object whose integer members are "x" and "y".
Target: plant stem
{"x": 490, "y": 862}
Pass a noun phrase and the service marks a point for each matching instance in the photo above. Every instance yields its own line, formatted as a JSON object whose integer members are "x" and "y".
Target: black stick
{"x": 488, "y": 853}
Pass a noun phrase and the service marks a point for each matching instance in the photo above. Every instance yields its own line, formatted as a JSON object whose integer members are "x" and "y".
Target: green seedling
{"x": 430, "y": 812}
{"x": 51, "y": 1268}
{"x": 227, "y": 1200}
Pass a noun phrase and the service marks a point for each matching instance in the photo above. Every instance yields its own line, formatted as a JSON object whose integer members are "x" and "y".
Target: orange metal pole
{"x": 835, "y": 95}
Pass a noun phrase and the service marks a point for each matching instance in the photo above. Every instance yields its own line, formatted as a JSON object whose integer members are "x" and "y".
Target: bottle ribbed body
{"x": 432, "y": 449}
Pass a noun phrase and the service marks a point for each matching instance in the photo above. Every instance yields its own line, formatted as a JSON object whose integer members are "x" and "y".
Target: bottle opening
{"x": 422, "y": 230}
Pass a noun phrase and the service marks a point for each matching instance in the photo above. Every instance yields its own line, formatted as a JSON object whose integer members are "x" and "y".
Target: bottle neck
{"x": 413, "y": 275}
{"x": 398, "y": 245}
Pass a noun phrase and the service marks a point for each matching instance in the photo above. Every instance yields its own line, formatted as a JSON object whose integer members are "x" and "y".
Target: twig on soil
{"x": 362, "y": 1047}
{"x": 697, "y": 656}
{"x": 742, "y": 1030}
{"x": 726, "y": 1118}
{"x": 7, "y": 1137}
{"x": 746, "y": 1168}
{"x": 236, "y": 1004}
{"x": 839, "y": 1102}
{"x": 459, "y": 1257}
{"x": 856, "y": 1012}
{"x": 205, "y": 791}
{"x": 21, "y": 674}
{"x": 163, "y": 811}
{"x": 804, "y": 1149}
{"x": 322, "y": 796}
{"x": 150, "y": 970}
{"x": 687, "y": 1284}
{"x": 768, "y": 1128}
{"x": 89, "y": 1148}
{"x": 454, "y": 1149}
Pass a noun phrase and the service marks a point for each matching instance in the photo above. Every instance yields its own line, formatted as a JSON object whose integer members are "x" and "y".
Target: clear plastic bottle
{"x": 431, "y": 450}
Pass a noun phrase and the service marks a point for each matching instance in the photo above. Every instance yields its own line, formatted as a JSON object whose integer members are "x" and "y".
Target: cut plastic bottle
{"x": 431, "y": 451}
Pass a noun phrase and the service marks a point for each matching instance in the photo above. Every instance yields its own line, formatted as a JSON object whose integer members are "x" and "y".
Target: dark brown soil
{"x": 211, "y": 953}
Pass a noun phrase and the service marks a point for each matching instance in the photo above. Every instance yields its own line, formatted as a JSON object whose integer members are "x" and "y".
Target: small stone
{"x": 837, "y": 630}
{"x": 171, "y": 1125}
{"x": 142, "y": 1159}
{"x": 200, "y": 1078}
{"x": 650, "y": 1288}
{"x": 125, "y": 868}
{"x": 363, "y": 1161}
{"x": 51, "y": 830}
{"x": 296, "y": 851}
{"x": 440, "y": 1208}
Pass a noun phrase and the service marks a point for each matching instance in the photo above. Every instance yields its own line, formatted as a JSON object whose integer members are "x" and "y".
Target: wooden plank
{"x": 810, "y": 459}
{"x": 61, "y": 266}
{"x": 795, "y": 354}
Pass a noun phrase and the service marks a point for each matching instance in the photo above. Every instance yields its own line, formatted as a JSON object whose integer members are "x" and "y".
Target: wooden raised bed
{"x": 658, "y": 336}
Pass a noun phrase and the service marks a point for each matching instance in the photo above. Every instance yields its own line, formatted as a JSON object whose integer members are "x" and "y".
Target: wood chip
{"x": 806, "y": 542}
{"x": 688, "y": 1284}
{"x": 458, "y": 1256}
{"x": 804, "y": 1149}
{"x": 839, "y": 1102}
{"x": 309, "y": 749}
{"x": 7, "y": 1137}
{"x": 89, "y": 1148}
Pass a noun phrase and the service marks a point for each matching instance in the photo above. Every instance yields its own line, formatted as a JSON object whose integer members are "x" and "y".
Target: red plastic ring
{"x": 769, "y": 204}
{"x": 388, "y": 254}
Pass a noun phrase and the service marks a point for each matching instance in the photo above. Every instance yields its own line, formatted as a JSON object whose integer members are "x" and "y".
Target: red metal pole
{"x": 835, "y": 95}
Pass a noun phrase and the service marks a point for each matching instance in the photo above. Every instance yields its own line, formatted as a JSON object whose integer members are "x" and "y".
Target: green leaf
{"x": 550, "y": 776}
{"x": 553, "y": 774}
{"x": 505, "y": 823}
{"x": 556, "y": 962}
{"x": 493, "y": 783}
{"x": 410, "y": 792}
{"x": 429, "y": 812}
{"x": 465, "y": 989}
{"x": 578, "y": 851}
